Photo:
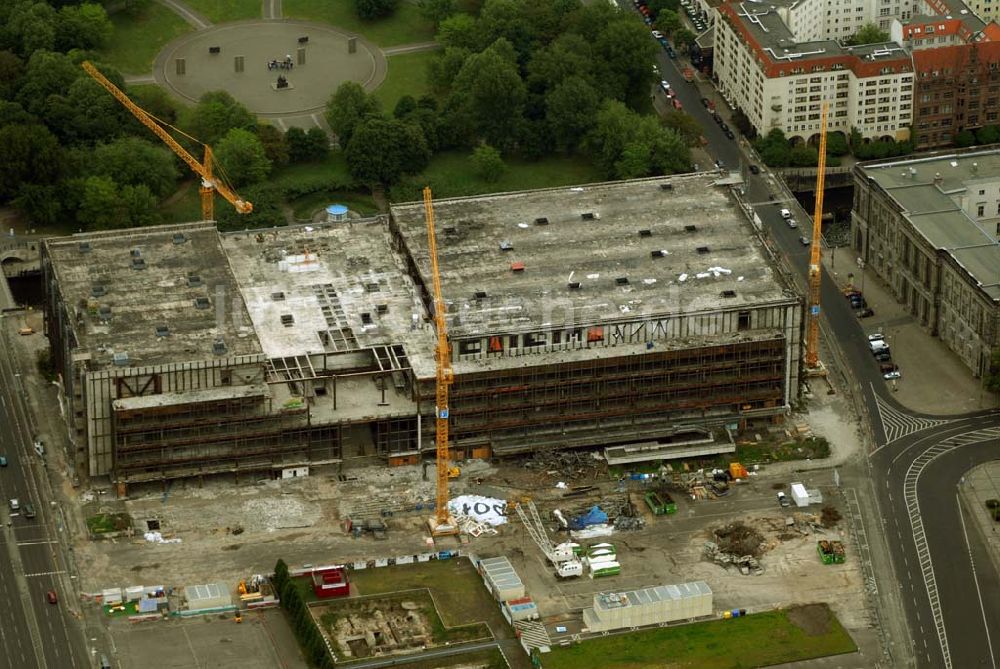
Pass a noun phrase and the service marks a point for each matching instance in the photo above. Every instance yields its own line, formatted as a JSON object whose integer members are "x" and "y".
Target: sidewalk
{"x": 934, "y": 380}
{"x": 981, "y": 484}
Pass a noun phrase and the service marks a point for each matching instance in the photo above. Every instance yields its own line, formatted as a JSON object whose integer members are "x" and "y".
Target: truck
{"x": 799, "y": 495}
{"x": 569, "y": 569}
{"x": 830, "y": 552}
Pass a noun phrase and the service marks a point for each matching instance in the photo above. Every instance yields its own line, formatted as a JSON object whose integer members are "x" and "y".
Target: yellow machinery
{"x": 813, "y": 365}
{"x": 442, "y": 523}
{"x": 209, "y": 182}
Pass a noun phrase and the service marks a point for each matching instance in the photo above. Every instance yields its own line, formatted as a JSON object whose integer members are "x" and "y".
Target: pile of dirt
{"x": 830, "y": 517}
{"x": 813, "y": 619}
{"x": 739, "y": 539}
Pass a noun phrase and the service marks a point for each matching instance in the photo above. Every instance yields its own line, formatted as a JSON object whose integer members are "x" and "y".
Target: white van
{"x": 785, "y": 214}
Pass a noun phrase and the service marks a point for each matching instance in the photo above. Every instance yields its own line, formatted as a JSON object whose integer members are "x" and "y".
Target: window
{"x": 743, "y": 320}
{"x": 469, "y": 346}
{"x": 980, "y": 210}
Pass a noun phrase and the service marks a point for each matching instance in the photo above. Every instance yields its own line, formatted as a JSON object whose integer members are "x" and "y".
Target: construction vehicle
{"x": 454, "y": 472}
{"x": 442, "y": 523}
{"x": 210, "y": 182}
{"x": 831, "y": 552}
{"x": 813, "y": 365}
{"x": 563, "y": 556}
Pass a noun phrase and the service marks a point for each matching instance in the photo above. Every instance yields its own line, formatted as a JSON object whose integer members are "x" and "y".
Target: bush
{"x": 992, "y": 504}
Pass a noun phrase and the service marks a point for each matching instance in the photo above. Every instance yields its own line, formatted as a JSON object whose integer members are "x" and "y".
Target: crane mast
{"x": 209, "y": 182}
{"x": 442, "y": 523}
{"x": 815, "y": 269}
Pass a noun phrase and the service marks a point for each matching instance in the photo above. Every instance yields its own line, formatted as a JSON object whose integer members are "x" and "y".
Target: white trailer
{"x": 799, "y": 495}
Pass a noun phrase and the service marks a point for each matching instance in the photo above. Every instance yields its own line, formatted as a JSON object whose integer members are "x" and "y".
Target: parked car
{"x": 864, "y": 313}
{"x": 783, "y": 499}
{"x": 791, "y": 223}
{"x": 884, "y": 356}
{"x": 723, "y": 126}
{"x": 657, "y": 34}
{"x": 876, "y": 336}
{"x": 671, "y": 54}
{"x": 52, "y": 597}
{"x": 717, "y": 119}
{"x": 677, "y": 104}
{"x": 889, "y": 376}
{"x": 785, "y": 214}
{"x": 3, "y": 461}
{"x": 729, "y": 133}
{"x": 704, "y": 103}
{"x": 887, "y": 367}
{"x": 805, "y": 241}
{"x": 29, "y": 511}
{"x": 664, "y": 84}
{"x": 754, "y": 169}
{"x": 858, "y": 303}
{"x": 15, "y": 506}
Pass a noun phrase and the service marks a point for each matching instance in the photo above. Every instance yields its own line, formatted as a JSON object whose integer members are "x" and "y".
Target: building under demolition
{"x": 624, "y": 315}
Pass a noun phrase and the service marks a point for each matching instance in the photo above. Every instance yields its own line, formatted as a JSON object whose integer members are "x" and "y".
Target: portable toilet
{"x": 336, "y": 213}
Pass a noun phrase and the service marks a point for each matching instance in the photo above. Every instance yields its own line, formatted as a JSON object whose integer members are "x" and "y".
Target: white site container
{"x": 799, "y": 495}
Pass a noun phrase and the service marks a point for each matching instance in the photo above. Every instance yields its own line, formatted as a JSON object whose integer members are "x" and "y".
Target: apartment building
{"x": 780, "y": 81}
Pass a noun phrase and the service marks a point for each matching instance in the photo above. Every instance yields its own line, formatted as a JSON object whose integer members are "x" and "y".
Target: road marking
{"x": 45, "y": 573}
{"x": 36, "y": 543}
{"x": 979, "y": 592}
{"x": 897, "y": 424}
{"x": 913, "y": 473}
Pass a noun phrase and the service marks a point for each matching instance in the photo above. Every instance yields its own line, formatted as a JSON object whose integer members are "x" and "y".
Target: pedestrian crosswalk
{"x": 897, "y": 424}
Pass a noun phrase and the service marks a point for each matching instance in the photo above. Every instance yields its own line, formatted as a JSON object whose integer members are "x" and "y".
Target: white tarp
{"x": 593, "y": 531}
{"x": 487, "y": 510}
{"x": 157, "y": 538}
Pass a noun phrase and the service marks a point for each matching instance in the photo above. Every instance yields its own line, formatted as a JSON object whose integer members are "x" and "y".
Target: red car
{"x": 51, "y": 596}
{"x": 677, "y": 104}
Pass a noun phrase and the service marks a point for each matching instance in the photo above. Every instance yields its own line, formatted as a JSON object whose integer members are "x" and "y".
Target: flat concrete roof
{"x": 640, "y": 248}
{"x": 928, "y": 190}
{"x": 326, "y": 287}
{"x": 126, "y": 286}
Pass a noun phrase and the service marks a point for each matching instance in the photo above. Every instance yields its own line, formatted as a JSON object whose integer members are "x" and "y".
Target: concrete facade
{"x": 633, "y": 309}
{"x": 929, "y": 228}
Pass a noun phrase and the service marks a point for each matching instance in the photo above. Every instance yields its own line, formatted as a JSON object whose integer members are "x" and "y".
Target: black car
{"x": 865, "y": 313}
{"x": 729, "y": 133}
{"x": 883, "y": 356}
{"x": 704, "y": 102}
{"x": 724, "y": 126}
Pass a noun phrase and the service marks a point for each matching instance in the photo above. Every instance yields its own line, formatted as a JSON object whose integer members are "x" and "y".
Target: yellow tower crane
{"x": 209, "y": 182}
{"x": 813, "y": 364}
{"x": 442, "y": 523}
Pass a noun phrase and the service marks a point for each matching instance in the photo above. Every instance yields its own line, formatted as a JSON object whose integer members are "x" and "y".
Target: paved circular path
{"x": 328, "y": 64}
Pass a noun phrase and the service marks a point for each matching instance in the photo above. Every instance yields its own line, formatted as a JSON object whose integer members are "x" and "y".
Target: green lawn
{"x": 405, "y": 26}
{"x": 333, "y": 166}
{"x": 103, "y": 523}
{"x": 451, "y": 174}
{"x": 407, "y": 75}
{"x": 218, "y": 11}
{"x": 759, "y": 640}
{"x": 139, "y": 35}
{"x": 185, "y": 204}
{"x": 305, "y": 206}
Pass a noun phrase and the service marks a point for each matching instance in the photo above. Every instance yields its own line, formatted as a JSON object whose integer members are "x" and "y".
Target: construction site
{"x": 184, "y": 352}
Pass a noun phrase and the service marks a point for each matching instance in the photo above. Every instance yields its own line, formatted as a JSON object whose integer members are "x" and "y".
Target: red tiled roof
{"x": 955, "y": 57}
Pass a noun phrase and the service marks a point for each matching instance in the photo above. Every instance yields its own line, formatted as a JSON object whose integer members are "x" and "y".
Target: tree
{"x": 803, "y": 155}
{"x": 489, "y": 92}
{"x": 374, "y": 9}
{"x": 382, "y": 150}
{"x": 773, "y": 148}
{"x": 30, "y": 27}
{"x": 12, "y": 112}
{"x": 684, "y": 38}
{"x": 658, "y": 6}
{"x": 742, "y": 123}
{"x": 47, "y": 74}
{"x": 84, "y": 26}
{"x": 508, "y": 20}
{"x": 436, "y": 11}
{"x": 404, "y": 107}
{"x": 992, "y": 378}
{"x": 130, "y": 161}
{"x": 156, "y": 101}
{"x": 626, "y": 144}
{"x": 99, "y": 207}
{"x": 273, "y": 141}
{"x": 267, "y": 213}
{"x": 31, "y": 154}
{"x": 488, "y": 163}
{"x": 460, "y": 31}
{"x": 138, "y": 207}
{"x": 626, "y": 51}
{"x": 570, "y": 111}
{"x": 668, "y": 22}
{"x": 988, "y": 134}
{"x": 43, "y": 204}
{"x": 568, "y": 56}
{"x": 319, "y": 143}
{"x": 836, "y": 144}
{"x": 85, "y": 114}
{"x": 216, "y": 113}
{"x": 684, "y": 125}
{"x": 869, "y": 33}
{"x": 306, "y": 146}
{"x": 11, "y": 68}
{"x": 964, "y": 138}
{"x": 669, "y": 153}
{"x": 349, "y": 106}
{"x": 445, "y": 66}
{"x": 242, "y": 158}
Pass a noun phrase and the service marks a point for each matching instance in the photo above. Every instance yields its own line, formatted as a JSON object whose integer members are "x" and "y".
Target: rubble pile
{"x": 747, "y": 564}
{"x": 566, "y": 465}
{"x": 738, "y": 538}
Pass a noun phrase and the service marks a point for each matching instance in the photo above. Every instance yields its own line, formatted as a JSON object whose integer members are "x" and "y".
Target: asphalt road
{"x": 34, "y": 633}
